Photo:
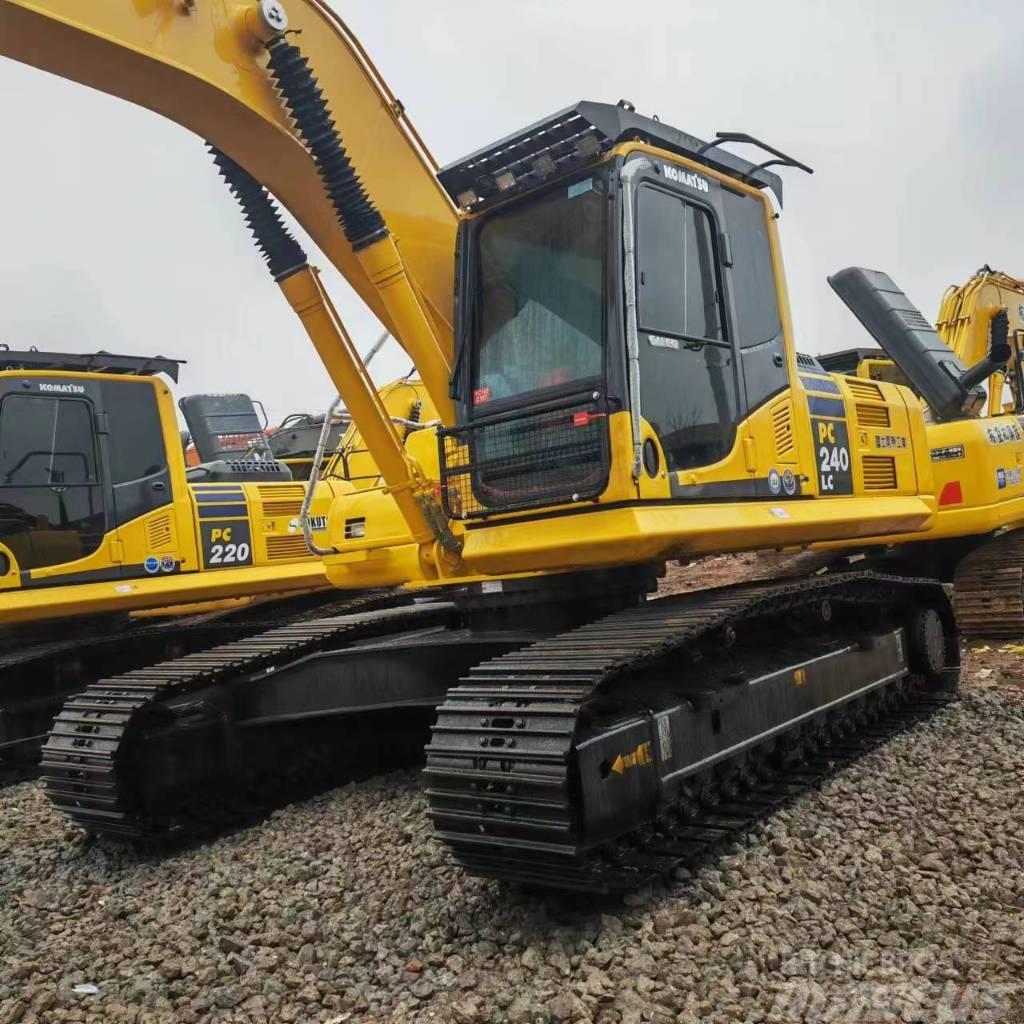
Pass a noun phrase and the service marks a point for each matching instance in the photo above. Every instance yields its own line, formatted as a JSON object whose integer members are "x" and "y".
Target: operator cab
{"x": 594, "y": 280}
{"x": 79, "y": 454}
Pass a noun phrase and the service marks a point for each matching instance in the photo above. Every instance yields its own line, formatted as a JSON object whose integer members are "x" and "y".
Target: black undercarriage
{"x": 546, "y": 765}
{"x": 573, "y": 738}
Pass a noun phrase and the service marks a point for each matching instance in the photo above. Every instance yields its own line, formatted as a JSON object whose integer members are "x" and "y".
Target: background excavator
{"x": 597, "y": 307}
{"x": 104, "y": 530}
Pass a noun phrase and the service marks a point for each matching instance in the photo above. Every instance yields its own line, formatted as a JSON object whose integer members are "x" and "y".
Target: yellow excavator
{"x": 105, "y": 531}
{"x": 597, "y": 307}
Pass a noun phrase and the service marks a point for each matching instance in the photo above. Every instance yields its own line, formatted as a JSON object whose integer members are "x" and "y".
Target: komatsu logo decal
{"x": 687, "y": 178}
{"x": 63, "y": 389}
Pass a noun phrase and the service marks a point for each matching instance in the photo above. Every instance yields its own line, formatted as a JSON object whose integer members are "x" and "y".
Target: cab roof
{"x": 574, "y": 138}
{"x": 86, "y": 362}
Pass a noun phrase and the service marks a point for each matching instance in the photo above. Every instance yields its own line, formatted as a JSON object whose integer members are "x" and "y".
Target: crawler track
{"x": 504, "y": 773}
{"x": 988, "y": 589}
{"x": 37, "y": 677}
{"x": 99, "y": 755}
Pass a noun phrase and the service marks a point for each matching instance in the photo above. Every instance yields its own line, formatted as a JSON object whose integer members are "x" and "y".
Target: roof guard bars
{"x": 781, "y": 159}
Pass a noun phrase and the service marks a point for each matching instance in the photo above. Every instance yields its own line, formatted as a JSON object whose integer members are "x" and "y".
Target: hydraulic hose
{"x": 282, "y": 253}
{"x": 360, "y": 219}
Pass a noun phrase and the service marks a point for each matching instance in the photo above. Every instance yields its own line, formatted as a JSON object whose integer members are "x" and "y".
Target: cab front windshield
{"x": 540, "y": 309}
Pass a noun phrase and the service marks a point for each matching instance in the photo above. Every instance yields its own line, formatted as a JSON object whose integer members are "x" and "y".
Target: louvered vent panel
{"x": 159, "y": 534}
{"x": 873, "y": 415}
{"x": 879, "y": 472}
{"x": 782, "y": 425}
{"x": 864, "y": 390}
{"x": 282, "y": 500}
{"x": 293, "y": 546}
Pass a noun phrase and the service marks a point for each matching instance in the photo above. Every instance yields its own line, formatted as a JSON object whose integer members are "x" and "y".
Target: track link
{"x": 37, "y": 677}
{"x": 988, "y": 589}
{"x": 88, "y": 767}
{"x": 503, "y": 765}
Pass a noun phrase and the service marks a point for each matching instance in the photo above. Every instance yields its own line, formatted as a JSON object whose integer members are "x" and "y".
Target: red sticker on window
{"x": 481, "y": 395}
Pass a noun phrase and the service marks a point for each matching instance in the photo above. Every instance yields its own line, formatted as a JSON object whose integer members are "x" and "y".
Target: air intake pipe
{"x": 908, "y": 339}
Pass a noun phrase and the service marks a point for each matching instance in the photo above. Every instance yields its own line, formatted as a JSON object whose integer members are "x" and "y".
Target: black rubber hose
{"x": 282, "y": 253}
{"x": 360, "y": 219}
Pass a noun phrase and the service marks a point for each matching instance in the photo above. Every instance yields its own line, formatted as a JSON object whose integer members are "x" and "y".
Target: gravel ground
{"x": 897, "y": 886}
{"x": 893, "y": 894}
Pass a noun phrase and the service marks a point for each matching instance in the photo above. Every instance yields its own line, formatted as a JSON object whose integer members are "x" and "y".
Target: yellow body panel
{"x": 77, "y": 599}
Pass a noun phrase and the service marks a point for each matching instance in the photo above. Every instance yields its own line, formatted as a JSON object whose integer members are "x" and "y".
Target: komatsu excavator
{"x": 104, "y": 530}
{"x": 597, "y": 307}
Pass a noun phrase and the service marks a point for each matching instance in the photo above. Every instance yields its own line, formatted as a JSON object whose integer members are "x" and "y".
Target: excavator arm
{"x": 206, "y": 65}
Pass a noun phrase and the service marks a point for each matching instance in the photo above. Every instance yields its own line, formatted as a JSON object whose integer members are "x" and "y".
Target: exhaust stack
{"x": 907, "y": 338}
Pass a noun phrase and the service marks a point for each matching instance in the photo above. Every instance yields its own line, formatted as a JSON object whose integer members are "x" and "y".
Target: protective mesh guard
{"x": 553, "y": 455}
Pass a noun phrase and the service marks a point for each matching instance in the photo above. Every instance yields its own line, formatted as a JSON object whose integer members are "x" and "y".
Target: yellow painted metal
{"x": 404, "y": 478}
{"x": 403, "y": 399}
{"x": 410, "y": 324}
{"x": 964, "y": 317}
{"x": 202, "y": 66}
{"x": 44, "y": 604}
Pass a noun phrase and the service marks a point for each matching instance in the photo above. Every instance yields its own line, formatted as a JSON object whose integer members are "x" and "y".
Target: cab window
{"x": 51, "y": 501}
{"x": 46, "y": 442}
{"x": 678, "y": 280}
{"x": 687, "y": 367}
{"x": 755, "y": 298}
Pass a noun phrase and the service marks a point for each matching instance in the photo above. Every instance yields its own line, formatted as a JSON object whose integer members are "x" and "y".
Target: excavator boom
{"x": 205, "y": 66}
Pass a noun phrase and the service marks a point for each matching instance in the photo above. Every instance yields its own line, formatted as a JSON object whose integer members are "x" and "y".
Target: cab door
{"x": 688, "y": 381}
{"x": 54, "y": 506}
{"x": 712, "y": 353}
{"x": 139, "y": 473}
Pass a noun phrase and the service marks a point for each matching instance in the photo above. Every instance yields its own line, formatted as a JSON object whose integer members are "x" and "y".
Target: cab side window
{"x": 687, "y": 369}
{"x": 136, "y": 452}
{"x": 51, "y": 501}
{"x": 755, "y": 299}
{"x": 136, "y": 434}
{"x": 46, "y": 441}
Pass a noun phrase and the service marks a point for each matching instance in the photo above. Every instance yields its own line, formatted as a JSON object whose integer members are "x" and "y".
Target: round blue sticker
{"x": 789, "y": 482}
{"x": 151, "y": 564}
{"x": 774, "y": 482}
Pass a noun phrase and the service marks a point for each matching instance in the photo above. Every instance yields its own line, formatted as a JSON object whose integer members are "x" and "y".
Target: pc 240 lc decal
{"x": 833, "y": 443}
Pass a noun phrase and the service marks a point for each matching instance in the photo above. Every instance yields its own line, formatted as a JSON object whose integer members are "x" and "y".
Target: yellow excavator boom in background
{"x": 963, "y": 323}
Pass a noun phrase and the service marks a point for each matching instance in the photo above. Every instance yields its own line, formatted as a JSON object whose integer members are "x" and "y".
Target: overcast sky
{"x": 118, "y": 234}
